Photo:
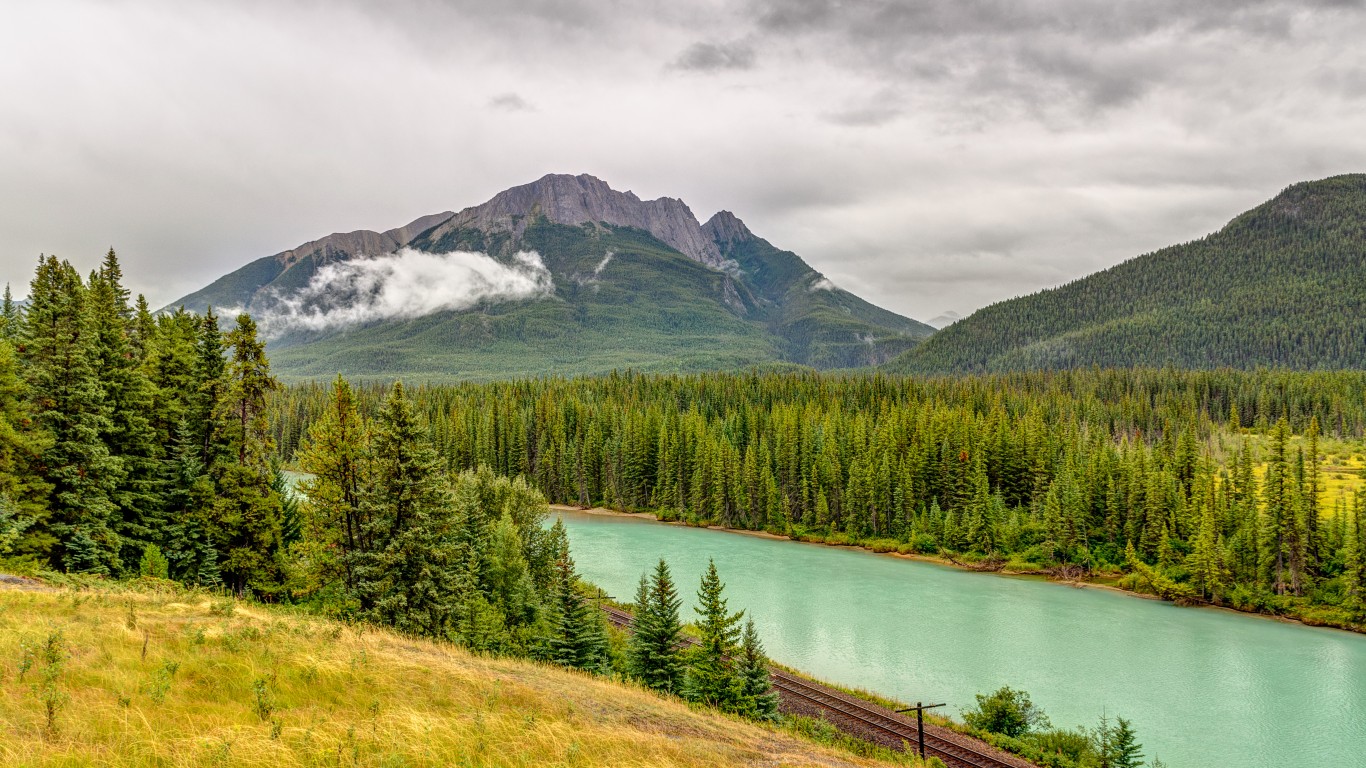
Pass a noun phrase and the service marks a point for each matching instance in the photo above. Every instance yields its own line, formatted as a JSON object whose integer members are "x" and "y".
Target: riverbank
{"x": 1308, "y": 619}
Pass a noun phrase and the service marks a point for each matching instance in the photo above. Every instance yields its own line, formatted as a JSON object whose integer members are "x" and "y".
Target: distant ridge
{"x": 631, "y": 283}
{"x": 1282, "y": 285}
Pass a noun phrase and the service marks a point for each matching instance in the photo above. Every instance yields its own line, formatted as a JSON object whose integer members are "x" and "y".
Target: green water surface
{"x": 1204, "y": 688}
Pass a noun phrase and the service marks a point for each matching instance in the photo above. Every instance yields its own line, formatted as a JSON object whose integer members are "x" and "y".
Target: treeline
{"x": 1281, "y": 285}
{"x": 1091, "y": 469}
{"x": 135, "y": 443}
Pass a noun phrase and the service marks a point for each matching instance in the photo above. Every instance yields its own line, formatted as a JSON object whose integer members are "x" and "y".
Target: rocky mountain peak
{"x": 725, "y": 229}
{"x": 584, "y": 199}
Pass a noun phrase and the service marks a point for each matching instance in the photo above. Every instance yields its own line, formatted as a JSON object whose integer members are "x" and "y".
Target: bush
{"x": 1008, "y": 712}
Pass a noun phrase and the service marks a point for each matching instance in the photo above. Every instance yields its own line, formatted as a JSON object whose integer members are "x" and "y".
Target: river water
{"x": 1204, "y": 688}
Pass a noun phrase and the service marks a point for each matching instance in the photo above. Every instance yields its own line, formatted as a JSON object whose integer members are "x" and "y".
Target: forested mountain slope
{"x": 615, "y": 282}
{"x": 1281, "y": 285}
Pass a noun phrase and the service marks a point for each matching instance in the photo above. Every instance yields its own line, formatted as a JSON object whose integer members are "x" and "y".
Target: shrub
{"x": 1008, "y": 712}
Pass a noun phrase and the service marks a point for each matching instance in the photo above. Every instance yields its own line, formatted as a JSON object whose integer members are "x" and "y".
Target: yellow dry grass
{"x": 1342, "y": 468}
{"x": 244, "y": 685}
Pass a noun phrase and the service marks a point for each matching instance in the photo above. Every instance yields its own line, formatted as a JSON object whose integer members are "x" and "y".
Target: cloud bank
{"x": 926, "y": 156}
{"x": 401, "y": 286}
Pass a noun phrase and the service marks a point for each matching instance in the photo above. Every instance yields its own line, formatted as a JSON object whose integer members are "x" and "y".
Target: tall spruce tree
{"x": 336, "y": 456}
{"x": 712, "y": 675}
{"x": 1279, "y": 515}
{"x": 211, "y": 382}
{"x": 410, "y": 576}
{"x": 23, "y": 492}
{"x": 191, "y": 553}
{"x": 757, "y": 697}
{"x": 128, "y": 395}
{"x": 579, "y": 639}
{"x": 68, "y": 403}
{"x": 10, "y": 317}
{"x": 246, "y": 514}
{"x": 654, "y": 655}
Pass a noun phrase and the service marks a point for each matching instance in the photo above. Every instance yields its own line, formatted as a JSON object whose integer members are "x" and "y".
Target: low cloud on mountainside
{"x": 403, "y": 285}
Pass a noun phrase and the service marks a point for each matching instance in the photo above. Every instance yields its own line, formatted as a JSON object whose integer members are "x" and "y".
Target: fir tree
{"x": 246, "y": 514}
{"x": 22, "y": 489}
{"x": 10, "y": 317}
{"x": 128, "y": 395}
{"x": 210, "y": 386}
{"x": 189, "y": 492}
{"x": 68, "y": 403}
{"x": 578, "y": 640}
{"x": 336, "y": 456}
{"x": 409, "y": 578}
{"x": 757, "y": 697}
{"x": 1117, "y": 745}
{"x": 712, "y": 676}
{"x": 654, "y": 654}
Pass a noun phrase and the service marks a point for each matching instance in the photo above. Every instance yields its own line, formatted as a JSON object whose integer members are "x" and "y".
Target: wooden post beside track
{"x": 920, "y": 722}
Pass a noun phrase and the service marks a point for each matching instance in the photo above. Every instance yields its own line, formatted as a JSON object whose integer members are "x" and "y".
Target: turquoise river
{"x": 1205, "y": 688}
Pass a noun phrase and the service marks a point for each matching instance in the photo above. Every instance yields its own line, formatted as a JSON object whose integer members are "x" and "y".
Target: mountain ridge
{"x": 1281, "y": 285}
{"x": 633, "y": 283}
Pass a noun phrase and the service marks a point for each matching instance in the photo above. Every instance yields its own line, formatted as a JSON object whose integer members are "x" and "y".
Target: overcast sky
{"x": 929, "y": 156}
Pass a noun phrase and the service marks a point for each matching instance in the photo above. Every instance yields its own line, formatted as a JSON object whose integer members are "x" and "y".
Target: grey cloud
{"x": 510, "y": 102}
{"x": 879, "y": 109}
{"x": 1045, "y": 58}
{"x": 716, "y": 57}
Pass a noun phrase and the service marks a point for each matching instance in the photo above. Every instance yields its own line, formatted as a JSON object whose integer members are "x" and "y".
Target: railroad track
{"x": 867, "y": 720}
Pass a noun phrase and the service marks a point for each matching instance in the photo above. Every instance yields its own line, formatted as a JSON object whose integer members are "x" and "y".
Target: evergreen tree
{"x": 10, "y": 317}
{"x": 410, "y": 577}
{"x": 654, "y": 654}
{"x": 1117, "y": 745}
{"x": 190, "y": 552}
{"x": 22, "y": 490}
{"x": 712, "y": 676}
{"x": 210, "y": 385}
{"x": 246, "y": 514}
{"x": 1277, "y": 529}
{"x": 336, "y": 457}
{"x": 757, "y": 697}
{"x": 578, "y": 640}
{"x": 128, "y": 395}
{"x": 68, "y": 403}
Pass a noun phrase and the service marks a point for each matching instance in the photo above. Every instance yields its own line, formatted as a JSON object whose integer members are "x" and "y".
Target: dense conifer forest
{"x": 1197, "y": 486}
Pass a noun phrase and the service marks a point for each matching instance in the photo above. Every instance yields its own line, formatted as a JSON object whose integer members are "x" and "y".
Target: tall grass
{"x": 186, "y": 679}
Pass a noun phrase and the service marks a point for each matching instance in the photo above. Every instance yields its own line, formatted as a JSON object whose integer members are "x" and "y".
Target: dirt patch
{"x": 10, "y": 581}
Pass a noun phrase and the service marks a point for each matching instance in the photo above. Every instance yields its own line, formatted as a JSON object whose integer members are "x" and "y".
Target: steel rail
{"x": 879, "y": 719}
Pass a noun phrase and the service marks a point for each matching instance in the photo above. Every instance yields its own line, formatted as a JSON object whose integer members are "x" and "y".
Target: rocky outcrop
{"x": 584, "y": 199}
{"x": 726, "y": 230}
{"x": 344, "y": 245}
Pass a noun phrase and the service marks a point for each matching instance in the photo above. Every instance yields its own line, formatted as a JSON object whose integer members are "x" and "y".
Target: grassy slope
{"x": 341, "y": 696}
{"x": 1281, "y": 285}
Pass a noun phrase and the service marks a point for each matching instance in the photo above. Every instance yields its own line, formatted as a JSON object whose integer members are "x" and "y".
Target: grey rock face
{"x": 725, "y": 229}
{"x": 584, "y": 199}
{"x": 344, "y": 245}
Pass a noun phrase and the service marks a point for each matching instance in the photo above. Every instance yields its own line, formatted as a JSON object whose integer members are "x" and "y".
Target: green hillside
{"x": 822, "y": 326}
{"x": 651, "y": 309}
{"x": 1281, "y": 285}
